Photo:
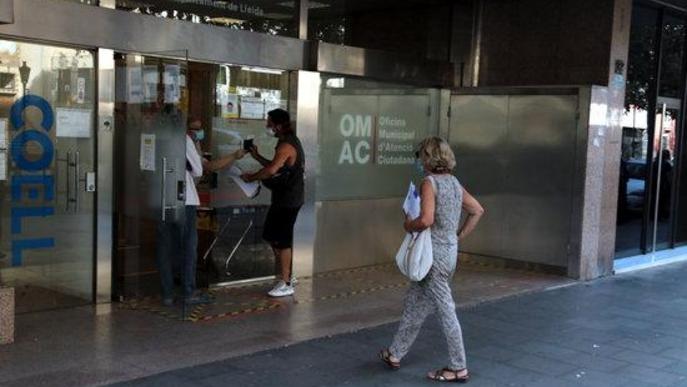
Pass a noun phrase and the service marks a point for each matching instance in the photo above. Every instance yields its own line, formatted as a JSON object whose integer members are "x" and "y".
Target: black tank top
{"x": 289, "y": 187}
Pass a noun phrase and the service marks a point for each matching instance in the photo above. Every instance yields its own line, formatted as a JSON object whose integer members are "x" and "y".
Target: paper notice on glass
{"x": 272, "y": 104}
{"x": 171, "y": 80}
{"x": 80, "y": 90}
{"x": 147, "y": 160}
{"x": 134, "y": 86}
{"x": 4, "y": 145}
{"x": 252, "y": 108}
{"x": 230, "y": 106}
{"x": 4, "y": 141}
{"x": 73, "y": 122}
{"x": 411, "y": 206}
{"x": 151, "y": 78}
{"x": 251, "y": 189}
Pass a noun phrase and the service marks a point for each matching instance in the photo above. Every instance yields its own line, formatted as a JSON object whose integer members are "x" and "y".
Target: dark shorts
{"x": 279, "y": 224}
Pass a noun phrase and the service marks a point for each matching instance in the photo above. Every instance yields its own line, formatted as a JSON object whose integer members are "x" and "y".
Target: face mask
{"x": 270, "y": 133}
{"x": 199, "y": 135}
{"x": 419, "y": 167}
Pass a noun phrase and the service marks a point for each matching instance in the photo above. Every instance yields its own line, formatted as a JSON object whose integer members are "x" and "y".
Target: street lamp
{"x": 24, "y": 72}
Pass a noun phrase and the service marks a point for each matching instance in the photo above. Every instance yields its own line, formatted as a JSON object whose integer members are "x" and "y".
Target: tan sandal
{"x": 438, "y": 376}
{"x": 385, "y": 355}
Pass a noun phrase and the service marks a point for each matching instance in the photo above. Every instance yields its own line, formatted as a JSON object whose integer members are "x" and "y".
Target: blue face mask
{"x": 419, "y": 167}
{"x": 199, "y": 135}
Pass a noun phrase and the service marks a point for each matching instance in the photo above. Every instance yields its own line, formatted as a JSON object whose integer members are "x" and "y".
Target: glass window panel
{"x": 274, "y": 18}
{"x": 46, "y": 149}
{"x": 633, "y": 185}
{"x": 368, "y": 134}
{"x": 673, "y": 45}
{"x": 419, "y": 27}
{"x": 243, "y": 96}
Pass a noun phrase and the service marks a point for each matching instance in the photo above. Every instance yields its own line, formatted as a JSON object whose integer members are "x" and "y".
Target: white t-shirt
{"x": 194, "y": 160}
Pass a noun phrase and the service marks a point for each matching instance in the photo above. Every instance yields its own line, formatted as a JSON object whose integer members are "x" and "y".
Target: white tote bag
{"x": 414, "y": 258}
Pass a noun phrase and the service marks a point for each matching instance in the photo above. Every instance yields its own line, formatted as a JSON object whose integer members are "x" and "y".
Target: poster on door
{"x": 230, "y": 106}
{"x": 171, "y": 80}
{"x": 76, "y": 123}
{"x": 151, "y": 78}
{"x": 3, "y": 149}
{"x": 252, "y": 108}
{"x": 147, "y": 159}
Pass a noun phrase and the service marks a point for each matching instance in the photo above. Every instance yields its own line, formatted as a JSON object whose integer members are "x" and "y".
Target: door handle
{"x": 77, "y": 180}
{"x": 163, "y": 190}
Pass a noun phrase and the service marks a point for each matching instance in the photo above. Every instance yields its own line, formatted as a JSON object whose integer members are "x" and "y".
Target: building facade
{"x": 95, "y": 99}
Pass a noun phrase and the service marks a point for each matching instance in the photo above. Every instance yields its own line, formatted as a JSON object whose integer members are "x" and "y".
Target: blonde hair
{"x": 436, "y": 155}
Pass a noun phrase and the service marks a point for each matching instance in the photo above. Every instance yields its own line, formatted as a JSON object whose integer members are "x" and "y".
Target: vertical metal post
{"x": 302, "y": 19}
{"x": 104, "y": 168}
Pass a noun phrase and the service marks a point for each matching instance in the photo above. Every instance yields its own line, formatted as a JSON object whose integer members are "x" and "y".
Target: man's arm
{"x": 284, "y": 151}
{"x": 258, "y": 157}
{"x": 223, "y": 162}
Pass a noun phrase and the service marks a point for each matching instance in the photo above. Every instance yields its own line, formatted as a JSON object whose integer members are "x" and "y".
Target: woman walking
{"x": 442, "y": 199}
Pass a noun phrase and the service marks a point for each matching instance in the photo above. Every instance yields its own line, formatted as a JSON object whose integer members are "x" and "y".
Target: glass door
{"x": 150, "y": 163}
{"x": 47, "y": 174}
{"x": 663, "y": 175}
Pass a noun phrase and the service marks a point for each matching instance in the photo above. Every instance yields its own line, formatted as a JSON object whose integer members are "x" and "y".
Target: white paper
{"x": 411, "y": 206}
{"x": 4, "y": 143}
{"x": 249, "y": 189}
{"x": 271, "y": 105}
{"x": 73, "y": 122}
{"x": 3, "y": 149}
{"x": 252, "y": 108}
{"x": 171, "y": 80}
{"x": 147, "y": 160}
{"x": 134, "y": 85}
{"x": 230, "y": 106}
{"x": 80, "y": 90}
{"x": 150, "y": 81}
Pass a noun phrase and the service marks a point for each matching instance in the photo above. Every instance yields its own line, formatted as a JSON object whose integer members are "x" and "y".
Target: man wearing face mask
{"x": 284, "y": 176}
{"x": 195, "y": 164}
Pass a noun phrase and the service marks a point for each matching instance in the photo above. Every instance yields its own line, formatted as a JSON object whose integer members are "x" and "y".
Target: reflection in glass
{"x": 642, "y": 57}
{"x": 672, "y": 54}
{"x": 244, "y": 95}
{"x": 274, "y": 18}
{"x": 57, "y": 273}
{"x": 632, "y": 187}
{"x": 414, "y": 27}
{"x": 662, "y": 182}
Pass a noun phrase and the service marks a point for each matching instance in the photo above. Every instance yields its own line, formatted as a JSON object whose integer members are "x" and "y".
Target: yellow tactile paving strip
{"x": 249, "y": 299}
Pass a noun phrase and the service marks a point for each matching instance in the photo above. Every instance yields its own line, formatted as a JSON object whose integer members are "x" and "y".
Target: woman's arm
{"x": 427, "y": 207}
{"x": 474, "y": 211}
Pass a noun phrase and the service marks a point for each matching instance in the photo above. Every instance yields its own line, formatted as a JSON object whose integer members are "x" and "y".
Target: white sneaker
{"x": 294, "y": 280}
{"x": 281, "y": 289}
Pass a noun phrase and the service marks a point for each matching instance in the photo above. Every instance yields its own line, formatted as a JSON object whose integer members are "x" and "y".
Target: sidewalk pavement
{"x": 137, "y": 338}
{"x": 627, "y": 330}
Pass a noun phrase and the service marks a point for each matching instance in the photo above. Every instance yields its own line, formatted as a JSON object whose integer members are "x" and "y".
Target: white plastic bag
{"x": 415, "y": 257}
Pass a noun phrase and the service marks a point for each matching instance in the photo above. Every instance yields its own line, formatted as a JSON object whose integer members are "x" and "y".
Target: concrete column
{"x": 6, "y": 315}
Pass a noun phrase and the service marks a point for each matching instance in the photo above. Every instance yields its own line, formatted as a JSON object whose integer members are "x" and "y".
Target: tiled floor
{"x": 86, "y": 345}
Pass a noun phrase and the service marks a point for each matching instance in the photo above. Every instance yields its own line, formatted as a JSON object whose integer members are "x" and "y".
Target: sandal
{"x": 438, "y": 375}
{"x": 385, "y": 355}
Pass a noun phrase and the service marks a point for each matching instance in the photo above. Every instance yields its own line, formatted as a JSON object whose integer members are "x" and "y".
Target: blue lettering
{"x": 20, "y": 141}
{"x": 17, "y": 111}
{"x": 47, "y": 181}
{"x": 24, "y": 212}
{"x": 28, "y": 244}
{"x": 40, "y": 184}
